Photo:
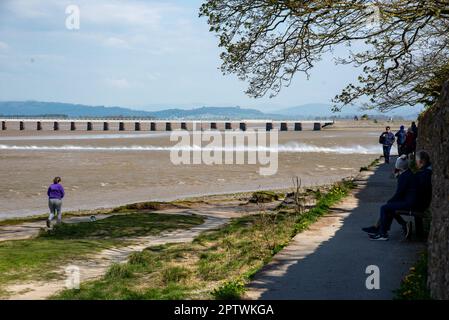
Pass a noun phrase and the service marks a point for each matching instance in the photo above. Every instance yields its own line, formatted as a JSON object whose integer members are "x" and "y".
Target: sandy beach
{"x": 109, "y": 169}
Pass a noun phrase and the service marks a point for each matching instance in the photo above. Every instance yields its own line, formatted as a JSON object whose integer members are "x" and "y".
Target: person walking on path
{"x": 387, "y": 140}
{"x": 410, "y": 142}
{"x": 55, "y": 194}
{"x": 401, "y": 136}
{"x": 415, "y": 129}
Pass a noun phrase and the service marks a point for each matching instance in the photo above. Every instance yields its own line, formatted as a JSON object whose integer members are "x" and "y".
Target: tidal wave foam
{"x": 284, "y": 148}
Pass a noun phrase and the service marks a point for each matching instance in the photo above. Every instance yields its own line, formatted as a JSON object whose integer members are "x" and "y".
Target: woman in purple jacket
{"x": 55, "y": 195}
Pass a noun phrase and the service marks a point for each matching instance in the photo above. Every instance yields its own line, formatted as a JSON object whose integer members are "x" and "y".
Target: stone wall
{"x": 433, "y": 137}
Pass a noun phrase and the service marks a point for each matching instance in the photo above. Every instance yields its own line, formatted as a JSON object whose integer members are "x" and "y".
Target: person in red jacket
{"x": 410, "y": 142}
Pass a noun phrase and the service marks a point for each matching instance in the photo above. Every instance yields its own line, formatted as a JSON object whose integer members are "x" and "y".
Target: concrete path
{"x": 329, "y": 260}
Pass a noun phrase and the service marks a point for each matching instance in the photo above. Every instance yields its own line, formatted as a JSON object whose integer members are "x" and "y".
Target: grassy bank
{"x": 217, "y": 264}
{"x": 35, "y": 258}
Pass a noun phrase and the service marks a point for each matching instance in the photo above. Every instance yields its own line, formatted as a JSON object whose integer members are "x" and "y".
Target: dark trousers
{"x": 388, "y": 213}
{"x": 401, "y": 149}
{"x": 387, "y": 150}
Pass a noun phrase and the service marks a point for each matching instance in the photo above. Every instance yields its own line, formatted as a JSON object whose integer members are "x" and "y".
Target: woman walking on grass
{"x": 55, "y": 195}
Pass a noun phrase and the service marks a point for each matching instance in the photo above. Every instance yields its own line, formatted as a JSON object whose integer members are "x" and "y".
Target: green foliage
{"x": 414, "y": 285}
{"x": 175, "y": 274}
{"x": 119, "y": 271}
{"x": 232, "y": 290}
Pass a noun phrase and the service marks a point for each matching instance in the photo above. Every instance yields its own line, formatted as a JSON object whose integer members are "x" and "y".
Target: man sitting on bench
{"x": 413, "y": 193}
{"x": 423, "y": 199}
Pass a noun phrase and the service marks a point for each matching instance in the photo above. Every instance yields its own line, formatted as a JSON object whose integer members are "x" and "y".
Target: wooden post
{"x": 317, "y": 126}
{"x": 298, "y": 126}
{"x": 4, "y": 126}
{"x": 121, "y": 126}
{"x": 243, "y": 126}
{"x": 89, "y": 126}
{"x": 183, "y": 126}
{"x": 213, "y": 126}
{"x": 72, "y": 126}
{"x": 39, "y": 126}
{"x": 228, "y": 126}
{"x": 153, "y": 126}
{"x": 22, "y": 125}
{"x": 137, "y": 126}
{"x": 105, "y": 126}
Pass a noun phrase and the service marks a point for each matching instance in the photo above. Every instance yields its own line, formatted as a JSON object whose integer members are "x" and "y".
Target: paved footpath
{"x": 329, "y": 260}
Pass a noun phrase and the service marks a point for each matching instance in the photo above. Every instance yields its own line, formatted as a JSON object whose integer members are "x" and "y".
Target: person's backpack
{"x": 382, "y": 138}
{"x": 401, "y": 137}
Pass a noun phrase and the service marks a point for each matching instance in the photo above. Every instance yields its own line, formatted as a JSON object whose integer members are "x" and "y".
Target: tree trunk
{"x": 433, "y": 137}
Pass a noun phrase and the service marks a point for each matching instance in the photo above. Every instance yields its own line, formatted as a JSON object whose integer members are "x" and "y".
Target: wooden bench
{"x": 419, "y": 217}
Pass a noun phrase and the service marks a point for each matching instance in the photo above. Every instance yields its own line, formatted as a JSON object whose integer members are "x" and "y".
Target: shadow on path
{"x": 329, "y": 260}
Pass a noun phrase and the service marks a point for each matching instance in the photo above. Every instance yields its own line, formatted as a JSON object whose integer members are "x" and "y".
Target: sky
{"x": 142, "y": 54}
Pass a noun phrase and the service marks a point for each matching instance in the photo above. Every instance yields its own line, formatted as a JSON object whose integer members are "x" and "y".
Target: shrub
{"x": 232, "y": 290}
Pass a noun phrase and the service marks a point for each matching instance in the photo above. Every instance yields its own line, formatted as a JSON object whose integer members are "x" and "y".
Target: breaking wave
{"x": 285, "y": 148}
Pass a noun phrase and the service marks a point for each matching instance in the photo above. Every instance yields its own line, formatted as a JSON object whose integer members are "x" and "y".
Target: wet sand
{"x": 109, "y": 169}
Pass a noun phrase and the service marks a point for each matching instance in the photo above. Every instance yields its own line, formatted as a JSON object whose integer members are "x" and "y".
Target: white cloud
{"x": 116, "y": 42}
{"x": 3, "y": 45}
{"x": 130, "y": 13}
{"x": 118, "y": 83}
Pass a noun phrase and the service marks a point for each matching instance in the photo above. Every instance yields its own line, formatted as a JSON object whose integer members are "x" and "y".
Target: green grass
{"x": 28, "y": 259}
{"x": 36, "y": 258}
{"x": 123, "y": 226}
{"x": 414, "y": 285}
{"x": 216, "y": 265}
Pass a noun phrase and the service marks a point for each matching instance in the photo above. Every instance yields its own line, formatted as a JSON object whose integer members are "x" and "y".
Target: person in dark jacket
{"x": 415, "y": 129}
{"x": 416, "y": 196}
{"x": 400, "y": 138}
{"x": 387, "y": 140}
{"x": 402, "y": 199}
{"x": 423, "y": 182}
{"x": 55, "y": 194}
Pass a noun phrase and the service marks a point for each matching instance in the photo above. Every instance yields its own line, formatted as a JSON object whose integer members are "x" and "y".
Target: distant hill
{"x": 37, "y": 108}
{"x": 314, "y": 110}
{"x": 306, "y": 111}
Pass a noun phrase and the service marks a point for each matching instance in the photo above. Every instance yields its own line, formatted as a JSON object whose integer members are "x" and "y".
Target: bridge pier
{"x": 228, "y": 126}
{"x": 105, "y": 126}
{"x": 137, "y": 126}
{"x": 38, "y": 126}
{"x": 72, "y": 126}
{"x": 121, "y": 126}
{"x": 168, "y": 126}
{"x": 284, "y": 126}
{"x": 4, "y": 126}
{"x": 89, "y": 126}
{"x": 316, "y": 126}
{"x": 298, "y": 126}
{"x": 269, "y": 126}
{"x": 242, "y": 126}
{"x": 153, "y": 126}
{"x": 21, "y": 125}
